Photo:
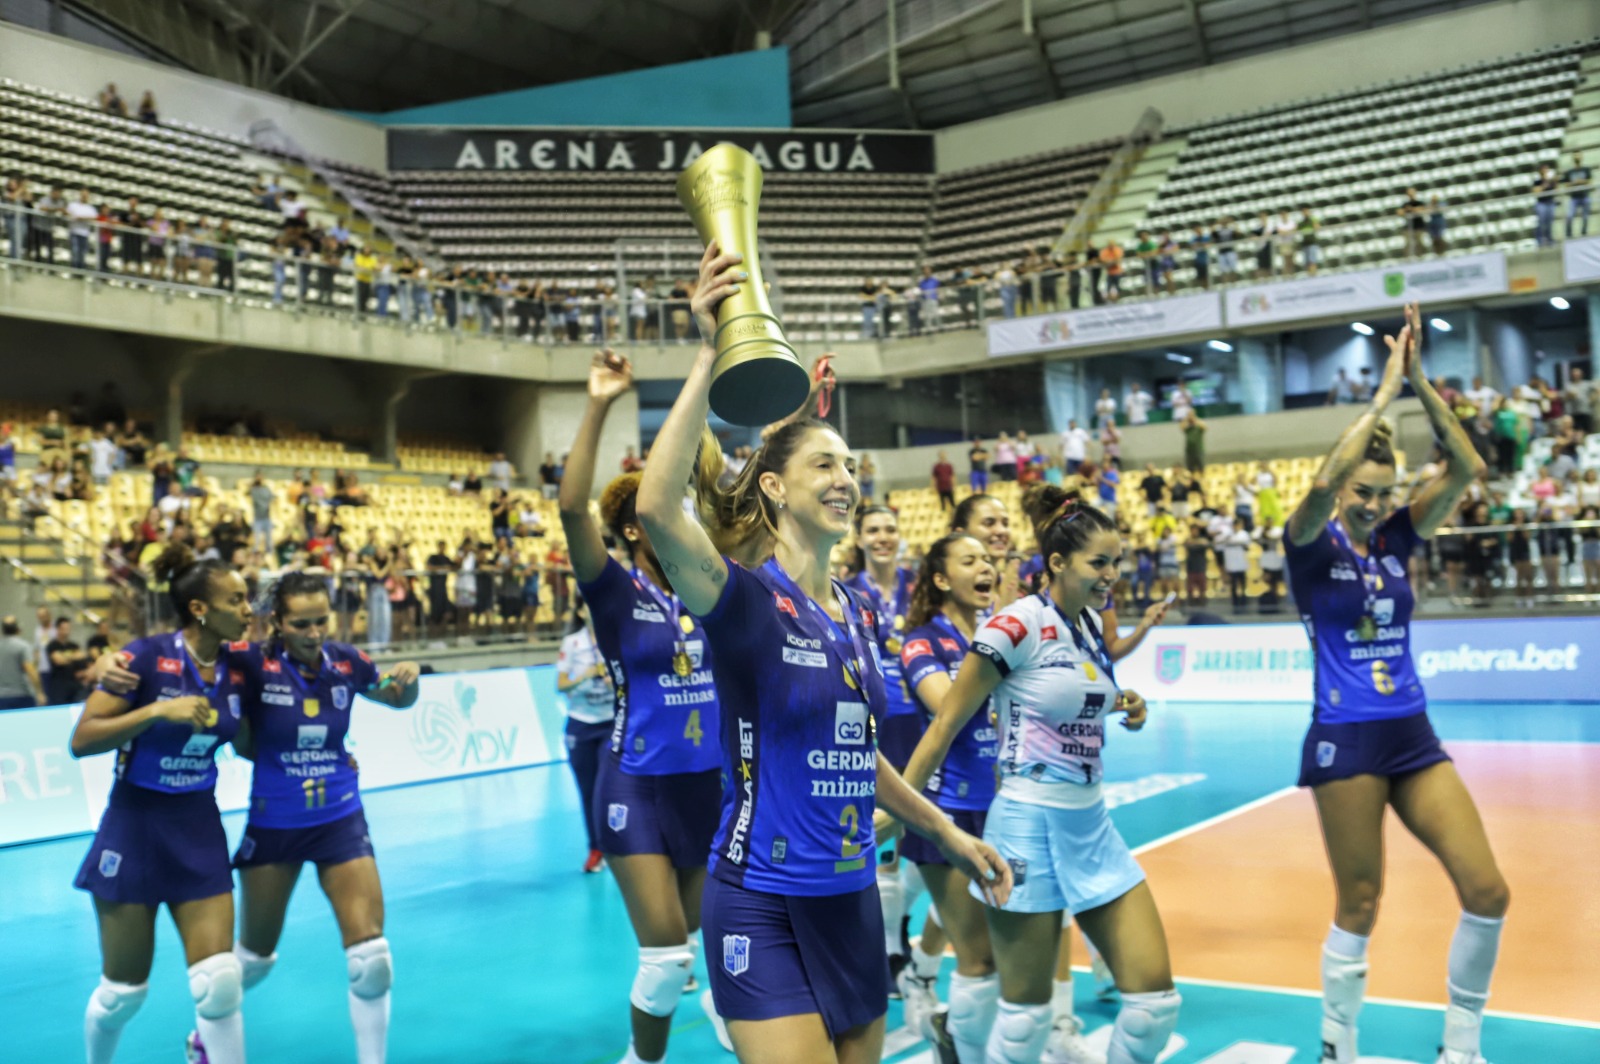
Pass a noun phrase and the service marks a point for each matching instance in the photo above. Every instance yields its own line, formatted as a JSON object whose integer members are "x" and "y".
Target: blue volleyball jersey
{"x": 890, "y": 609}
{"x": 665, "y": 723}
{"x": 802, "y": 698}
{"x": 169, "y": 756}
{"x": 1357, "y": 612}
{"x": 304, "y": 776}
{"x": 966, "y": 780}
{"x": 1030, "y": 572}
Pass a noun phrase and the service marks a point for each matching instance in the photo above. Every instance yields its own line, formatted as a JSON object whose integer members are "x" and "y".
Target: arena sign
{"x": 1430, "y": 281}
{"x": 794, "y": 151}
{"x": 1581, "y": 259}
{"x": 1114, "y": 323}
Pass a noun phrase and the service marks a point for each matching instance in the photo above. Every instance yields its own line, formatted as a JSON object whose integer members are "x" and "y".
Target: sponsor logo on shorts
{"x": 736, "y": 954}
{"x": 1325, "y": 752}
{"x": 1019, "y": 871}
{"x": 811, "y": 659}
{"x": 341, "y": 695}
{"x": 247, "y": 848}
{"x": 617, "y": 816}
{"x": 780, "y": 849}
{"x": 1013, "y": 628}
{"x": 110, "y": 863}
{"x": 312, "y": 736}
{"x": 850, "y": 724}
{"x": 198, "y": 745}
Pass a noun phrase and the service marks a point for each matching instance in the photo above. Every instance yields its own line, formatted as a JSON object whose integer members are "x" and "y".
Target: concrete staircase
{"x": 1126, "y": 213}
{"x": 62, "y": 574}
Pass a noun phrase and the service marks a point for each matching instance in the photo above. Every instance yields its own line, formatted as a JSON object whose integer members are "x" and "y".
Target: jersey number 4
{"x": 692, "y": 730}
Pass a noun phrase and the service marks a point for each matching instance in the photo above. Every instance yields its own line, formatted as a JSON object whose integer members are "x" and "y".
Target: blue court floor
{"x": 507, "y": 954}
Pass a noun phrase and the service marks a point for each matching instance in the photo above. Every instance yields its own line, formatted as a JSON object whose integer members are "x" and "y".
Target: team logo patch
{"x": 312, "y": 736}
{"x": 1014, "y": 629}
{"x": 1169, "y": 663}
{"x": 199, "y": 745}
{"x": 233, "y": 706}
{"x": 785, "y": 605}
{"x": 1019, "y": 871}
{"x": 171, "y": 666}
{"x": 1325, "y": 752}
{"x": 341, "y": 696}
{"x": 1396, "y": 570}
{"x": 736, "y": 954}
{"x": 1383, "y": 611}
{"x": 110, "y": 863}
{"x": 247, "y": 848}
{"x": 917, "y": 648}
{"x": 850, "y": 724}
{"x": 616, "y": 816}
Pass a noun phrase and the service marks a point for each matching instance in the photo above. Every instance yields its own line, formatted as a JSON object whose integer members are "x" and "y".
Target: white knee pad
{"x": 974, "y": 1000}
{"x": 1344, "y": 984}
{"x": 1144, "y": 1024}
{"x": 662, "y": 972}
{"x": 911, "y": 880}
{"x": 256, "y": 967}
{"x": 114, "y": 1004}
{"x": 370, "y": 967}
{"x": 1019, "y": 1034}
{"x": 217, "y": 986}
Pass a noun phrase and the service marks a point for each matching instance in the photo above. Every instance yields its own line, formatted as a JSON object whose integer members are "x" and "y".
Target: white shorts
{"x": 1071, "y": 859}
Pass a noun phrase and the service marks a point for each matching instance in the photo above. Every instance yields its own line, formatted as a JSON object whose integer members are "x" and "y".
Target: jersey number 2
{"x": 850, "y": 849}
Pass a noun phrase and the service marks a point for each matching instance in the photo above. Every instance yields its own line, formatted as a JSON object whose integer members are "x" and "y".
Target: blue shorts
{"x": 154, "y": 848}
{"x": 898, "y": 737}
{"x": 334, "y": 843}
{"x": 1071, "y": 859}
{"x": 918, "y": 850}
{"x": 676, "y": 814}
{"x": 1391, "y": 747}
{"x": 772, "y": 955}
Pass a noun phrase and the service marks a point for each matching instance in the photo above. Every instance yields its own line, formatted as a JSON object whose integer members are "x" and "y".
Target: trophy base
{"x": 757, "y": 384}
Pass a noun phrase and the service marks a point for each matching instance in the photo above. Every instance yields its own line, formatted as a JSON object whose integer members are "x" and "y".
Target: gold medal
{"x": 686, "y": 622}
{"x": 312, "y": 707}
{"x": 681, "y": 664}
{"x": 211, "y": 719}
{"x": 1367, "y": 629}
{"x": 899, "y": 624}
{"x": 892, "y": 645}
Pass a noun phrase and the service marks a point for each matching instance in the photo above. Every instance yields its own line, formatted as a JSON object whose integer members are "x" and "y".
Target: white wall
{"x": 1391, "y": 53}
{"x": 55, "y": 63}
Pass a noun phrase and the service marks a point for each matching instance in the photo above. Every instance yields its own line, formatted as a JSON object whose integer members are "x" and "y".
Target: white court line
{"x": 1295, "y": 991}
{"x": 1214, "y": 821}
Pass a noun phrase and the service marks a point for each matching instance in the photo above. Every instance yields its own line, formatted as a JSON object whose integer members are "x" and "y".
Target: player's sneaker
{"x": 1105, "y": 984}
{"x": 194, "y": 1052}
{"x": 709, "y": 1007}
{"x": 691, "y": 984}
{"x": 1451, "y": 1056}
{"x": 920, "y": 1001}
{"x": 595, "y": 862}
{"x": 897, "y": 964}
{"x": 1338, "y": 1043}
{"x": 1067, "y": 1045}
{"x": 943, "y": 1045}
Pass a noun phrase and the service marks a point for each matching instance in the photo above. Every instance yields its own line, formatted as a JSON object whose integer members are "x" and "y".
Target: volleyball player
{"x": 658, "y": 787}
{"x": 584, "y": 681}
{"x": 1370, "y": 744}
{"x": 161, "y": 840}
{"x": 297, "y": 692}
{"x": 1045, "y": 661}
{"x": 887, "y": 588}
{"x": 792, "y": 896}
{"x": 956, "y": 582}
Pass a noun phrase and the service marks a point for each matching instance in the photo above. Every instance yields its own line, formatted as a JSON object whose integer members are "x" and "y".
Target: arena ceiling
{"x": 953, "y": 60}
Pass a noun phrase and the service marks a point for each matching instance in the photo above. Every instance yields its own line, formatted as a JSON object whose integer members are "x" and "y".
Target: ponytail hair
{"x": 742, "y": 520}
{"x": 186, "y": 579}
{"x": 926, "y": 599}
{"x": 1062, "y": 521}
{"x": 290, "y": 585}
{"x": 1380, "y": 448}
{"x": 961, "y": 518}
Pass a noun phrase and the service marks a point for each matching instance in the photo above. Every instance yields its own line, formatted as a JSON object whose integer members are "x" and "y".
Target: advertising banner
{"x": 1555, "y": 660}
{"x": 643, "y": 150}
{"x": 1433, "y": 281}
{"x": 464, "y": 724}
{"x": 1105, "y": 325}
{"x": 1581, "y": 259}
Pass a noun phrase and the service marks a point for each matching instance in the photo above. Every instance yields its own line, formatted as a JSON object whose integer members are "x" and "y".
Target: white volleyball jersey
{"x": 1055, "y": 690}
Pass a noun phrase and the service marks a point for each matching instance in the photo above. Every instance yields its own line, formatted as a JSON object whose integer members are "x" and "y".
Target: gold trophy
{"x": 757, "y": 378}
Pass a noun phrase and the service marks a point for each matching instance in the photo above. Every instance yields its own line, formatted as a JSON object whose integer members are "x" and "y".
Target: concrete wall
{"x": 1439, "y": 42}
{"x": 55, "y": 63}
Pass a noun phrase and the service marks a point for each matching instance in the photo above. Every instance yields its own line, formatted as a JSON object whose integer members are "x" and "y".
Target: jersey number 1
{"x": 316, "y": 793}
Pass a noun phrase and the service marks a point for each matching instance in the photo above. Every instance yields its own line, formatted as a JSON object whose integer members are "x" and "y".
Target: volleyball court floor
{"x": 505, "y": 952}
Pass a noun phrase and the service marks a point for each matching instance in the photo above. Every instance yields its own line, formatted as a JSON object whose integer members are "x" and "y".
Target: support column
{"x": 1259, "y": 362}
{"x": 1593, "y": 300}
{"x": 1064, "y": 395}
{"x": 168, "y": 366}
{"x": 387, "y": 387}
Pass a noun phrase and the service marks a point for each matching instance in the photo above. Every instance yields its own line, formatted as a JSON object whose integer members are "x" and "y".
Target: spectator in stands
{"x": 1436, "y": 224}
{"x": 1111, "y": 445}
{"x": 13, "y": 201}
{"x": 1544, "y": 205}
{"x": 204, "y": 251}
{"x": 366, "y": 268}
{"x": 638, "y": 312}
{"x": 1343, "y": 389}
{"x": 68, "y": 662}
{"x": 1137, "y": 404}
{"x": 1154, "y": 488}
{"x": 1482, "y": 396}
{"x": 1194, "y": 442}
{"x": 1414, "y": 222}
{"x": 678, "y": 311}
{"x": 1200, "y": 250}
{"x": 20, "y": 684}
{"x": 978, "y": 456}
{"x": 1009, "y": 285}
{"x": 1168, "y": 260}
{"x": 103, "y": 454}
{"x": 105, "y": 236}
{"x": 111, "y": 101}
{"x": 155, "y": 243}
{"x": 261, "y": 499}
{"x": 1264, "y": 230}
{"x": 928, "y": 288}
{"x": 1310, "y": 245}
{"x": 549, "y": 479}
{"x": 867, "y": 477}
{"x": 631, "y": 463}
{"x": 472, "y": 484}
{"x": 226, "y": 252}
{"x": 1364, "y": 386}
{"x": 1005, "y": 458}
{"x": 81, "y": 217}
{"x": 1225, "y": 237}
{"x": 1111, "y": 262}
{"x": 1105, "y": 408}
{"x": 501, "y": 471}
{"x": 182, "y": 251}
{"x": 944, "y": 482}
{"x": 132, "y": 444}
{"x": 52, "y": 434}
{"x": 147, "y": 109}
{"x": 384, "y": 279}
{"x": 1285, "y": 231}
{"x": 292, "y": 210}
{"x": 1235, "y": 546}
{"x": 1579, "y": 397}
{"x": 1072, "y": 266}
{"x": 911, "y": 297}
{"x": 42, "y": 224}
{"x": 1074, "y": 447}
{"x": 1578, "y": 181}
{"x": 1145, "y": 250}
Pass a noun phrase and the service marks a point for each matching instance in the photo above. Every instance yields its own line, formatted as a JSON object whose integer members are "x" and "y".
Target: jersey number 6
{"x": 1382, "y": 679}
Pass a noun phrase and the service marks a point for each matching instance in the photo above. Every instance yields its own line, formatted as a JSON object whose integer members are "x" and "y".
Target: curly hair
{"x": 618, "y": 504}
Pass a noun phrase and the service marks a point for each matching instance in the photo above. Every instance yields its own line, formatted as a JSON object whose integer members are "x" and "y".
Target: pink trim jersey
{"x": 1056, "y": 688}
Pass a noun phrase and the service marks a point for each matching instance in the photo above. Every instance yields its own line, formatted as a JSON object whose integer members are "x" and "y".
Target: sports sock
{"x": 1473, "y": 952}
